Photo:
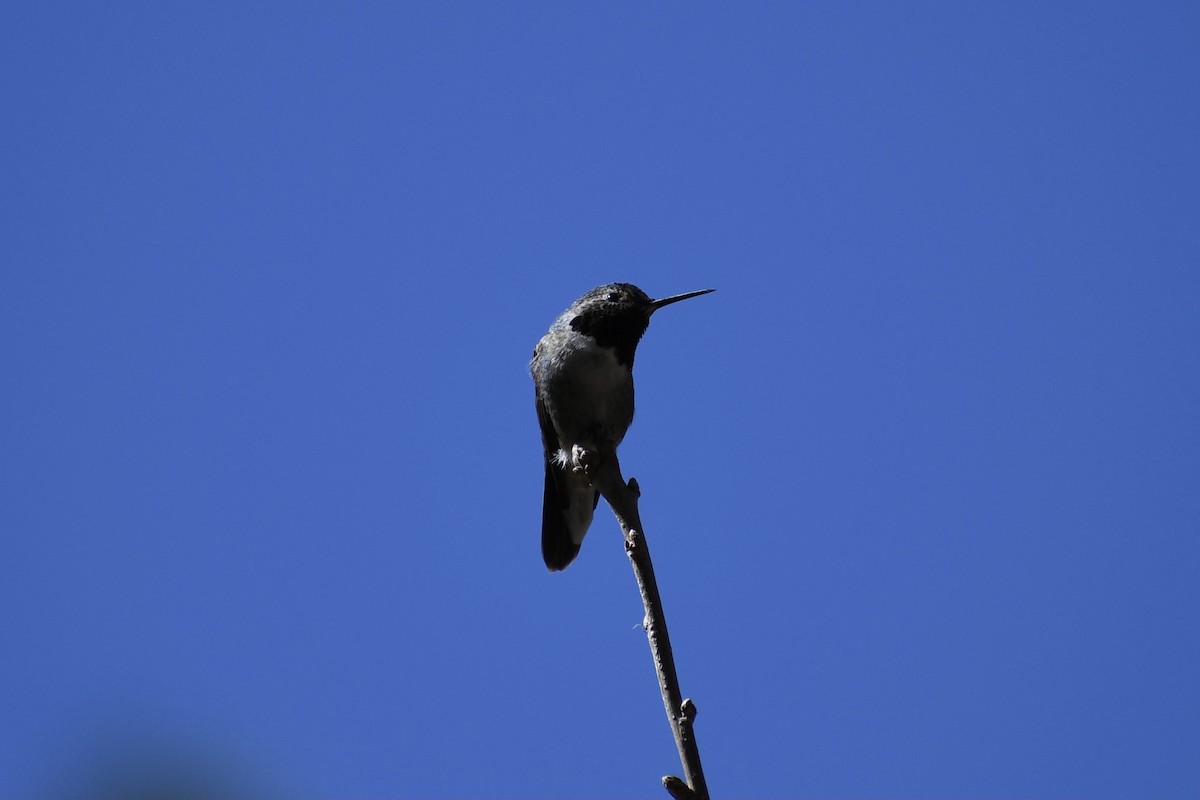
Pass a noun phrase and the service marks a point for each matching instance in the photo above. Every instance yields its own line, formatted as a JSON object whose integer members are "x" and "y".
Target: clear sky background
{"x": 922, "y": 477}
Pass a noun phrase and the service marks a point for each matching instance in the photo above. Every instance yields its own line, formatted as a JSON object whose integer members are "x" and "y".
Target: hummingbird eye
{"x": 612, "y": 297}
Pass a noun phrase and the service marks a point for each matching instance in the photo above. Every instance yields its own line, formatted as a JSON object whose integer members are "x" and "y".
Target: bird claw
{"x": 583, "y": 460}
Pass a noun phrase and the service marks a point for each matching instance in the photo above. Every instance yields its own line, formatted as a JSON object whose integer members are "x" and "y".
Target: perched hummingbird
{"x": 583, "y": 378}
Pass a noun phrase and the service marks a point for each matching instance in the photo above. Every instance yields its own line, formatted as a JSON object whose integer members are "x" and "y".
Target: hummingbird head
{"x": 617, "y": 314}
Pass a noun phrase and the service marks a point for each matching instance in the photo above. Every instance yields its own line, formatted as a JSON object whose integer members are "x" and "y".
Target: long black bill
{"x": 655, "y": 305}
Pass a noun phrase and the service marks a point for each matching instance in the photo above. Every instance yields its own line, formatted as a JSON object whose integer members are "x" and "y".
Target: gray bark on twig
{"x": 605, "y": 474}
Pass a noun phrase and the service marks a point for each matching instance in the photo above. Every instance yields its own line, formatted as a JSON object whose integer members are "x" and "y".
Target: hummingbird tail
{"x": 567, "y": 506}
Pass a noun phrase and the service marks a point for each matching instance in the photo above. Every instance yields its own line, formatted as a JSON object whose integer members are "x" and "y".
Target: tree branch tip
{"x": 677, "y": 788}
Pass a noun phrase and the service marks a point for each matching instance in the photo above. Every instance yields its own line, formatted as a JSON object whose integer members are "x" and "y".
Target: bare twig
{"x": 605, "y": 474}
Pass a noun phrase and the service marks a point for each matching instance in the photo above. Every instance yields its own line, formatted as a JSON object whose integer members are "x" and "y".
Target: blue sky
{"x": 922, "y": 478}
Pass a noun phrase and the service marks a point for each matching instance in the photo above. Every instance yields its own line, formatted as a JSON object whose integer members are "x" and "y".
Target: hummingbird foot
{"x": 584, "y": 461}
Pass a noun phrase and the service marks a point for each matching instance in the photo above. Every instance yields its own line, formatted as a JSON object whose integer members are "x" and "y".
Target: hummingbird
{"x": 583, "y": 380}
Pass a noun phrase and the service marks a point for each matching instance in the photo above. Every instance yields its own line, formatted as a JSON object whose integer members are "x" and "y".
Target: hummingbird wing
{"x": 567, "y": 502}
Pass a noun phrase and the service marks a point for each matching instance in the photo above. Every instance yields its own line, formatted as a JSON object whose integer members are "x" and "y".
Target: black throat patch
{"x": 614, "y": 326}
